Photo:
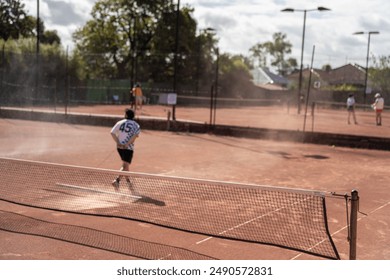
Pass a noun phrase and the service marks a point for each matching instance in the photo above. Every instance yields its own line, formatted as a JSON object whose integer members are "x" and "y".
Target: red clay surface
{"x": 324, "y": 119}
{"x": 206, "y": 156}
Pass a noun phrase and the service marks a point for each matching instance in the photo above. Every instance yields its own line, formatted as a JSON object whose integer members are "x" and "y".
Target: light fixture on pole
{"x": 367, "y": 58}
{"x": 321, "y": 9}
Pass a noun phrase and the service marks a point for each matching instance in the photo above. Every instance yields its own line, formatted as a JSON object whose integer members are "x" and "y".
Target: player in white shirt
{"x": 378, "y": 106}
{"x": 351, "y": 108}
{"x": 124, "y": 133}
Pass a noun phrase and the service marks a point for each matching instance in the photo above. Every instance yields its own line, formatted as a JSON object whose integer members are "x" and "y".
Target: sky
{"x": 241, "y": 24}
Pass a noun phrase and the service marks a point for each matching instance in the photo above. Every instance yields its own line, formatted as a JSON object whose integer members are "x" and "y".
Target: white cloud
{"x": 65, "y": 16}
{"x": 240, "y": 24}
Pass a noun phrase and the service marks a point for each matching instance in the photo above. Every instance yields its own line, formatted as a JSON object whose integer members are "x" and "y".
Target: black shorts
{"x": 126, "y": 155}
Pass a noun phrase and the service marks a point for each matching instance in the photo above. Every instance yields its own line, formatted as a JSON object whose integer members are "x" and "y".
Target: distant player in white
{"x": 351, "y": 108}
{"x": 124, "y": 134}
{"x": 378, "y": 106}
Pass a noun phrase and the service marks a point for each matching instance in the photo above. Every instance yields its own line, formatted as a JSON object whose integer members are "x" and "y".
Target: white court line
{"x": 98, "y": 191}
{"x": 249, "y": 221}
{"x": 163, "y": 258}
{"x": 343, "y": 228}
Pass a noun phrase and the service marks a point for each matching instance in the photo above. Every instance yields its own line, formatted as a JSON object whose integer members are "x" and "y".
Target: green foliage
{"x": 136, "y": 40}
{"x": 118, "y": 33}
{"x": 163, "y": 47}
{"x": 380, "y": 74}
{"x": 235, "y": 78}
{"x": 24, "y": 69}
{"x": 327, "y": 67}
{"x": 277, "y": 49}
{"x": 343, "y": 87}
{"x": 50, "y": 37}
{"x": 14, "y": 21}
{"x": 15, "y": 24}
{"x": 259, "y": 55}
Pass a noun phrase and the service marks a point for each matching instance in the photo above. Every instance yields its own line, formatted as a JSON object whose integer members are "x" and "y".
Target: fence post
{"x": 353, "y": 224}
{"x": 313, "y": 105}
{"x": 67, "y": 81}
{"x": 2, "y": 74}
{"x": 168, "y": 120}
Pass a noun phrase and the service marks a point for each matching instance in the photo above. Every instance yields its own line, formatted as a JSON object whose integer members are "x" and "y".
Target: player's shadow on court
{"x": 282, "y": 154}
{"x": 289, "y": 156}
{"x": 147, "y": 199}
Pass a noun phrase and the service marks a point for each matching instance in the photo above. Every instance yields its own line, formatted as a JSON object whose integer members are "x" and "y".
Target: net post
{"x": 353, "y": 224}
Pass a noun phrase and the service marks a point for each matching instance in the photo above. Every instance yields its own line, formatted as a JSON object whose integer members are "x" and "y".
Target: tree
{"x": 136, "y": 40}
{"x": 15, "y": 24}
{"x": 117, "y": 34}
{"x": 50, "y": 37}
{"x": 277, "y": 49}
{"x": 327, "y": 67}
{"x": 235, "y": 77}
{"x": 14, "y": 21}
{"x": 259, "y": 55}
{"x": 21, "y": 71}
{"x": 163, "y": 46}
{"x": 380, "y": 73}
{"x": 205, "y": 54}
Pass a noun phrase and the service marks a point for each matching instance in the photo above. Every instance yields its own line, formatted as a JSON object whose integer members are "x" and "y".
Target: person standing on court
{"x": 378, "y": 106}
{"x": 351, "y": 108}
{"x": 124, "y": 133}
{"x": 137, "y": 92}
{"x": 132, "y": 98}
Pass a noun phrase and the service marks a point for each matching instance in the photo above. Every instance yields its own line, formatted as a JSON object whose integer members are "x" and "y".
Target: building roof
{"x": 347, "y": 74}
{"x": 263, "y": 76}
{"x": 351, "y": 74}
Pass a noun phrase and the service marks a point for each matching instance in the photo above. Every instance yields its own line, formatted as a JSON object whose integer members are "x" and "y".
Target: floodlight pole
{"x": 301, "y": 67}
{"x": 206, "y": 31}
{"x": 2, "y": 71}
{"x": 367, "y": 58}
{"x": 321, "y": 9}
{"x": 308, "y": 88}
{"x": 37, "y": 53}
{"x": 176, "y": 58}
{"x": 216, "y": 85}
{"x": 38, "y": 28}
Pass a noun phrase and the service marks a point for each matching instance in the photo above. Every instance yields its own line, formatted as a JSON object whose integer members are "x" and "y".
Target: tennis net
{"x": 287, "y": 218}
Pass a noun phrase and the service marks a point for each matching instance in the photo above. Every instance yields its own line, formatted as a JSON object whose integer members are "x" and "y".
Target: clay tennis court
{"x": 205, "y": 156}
